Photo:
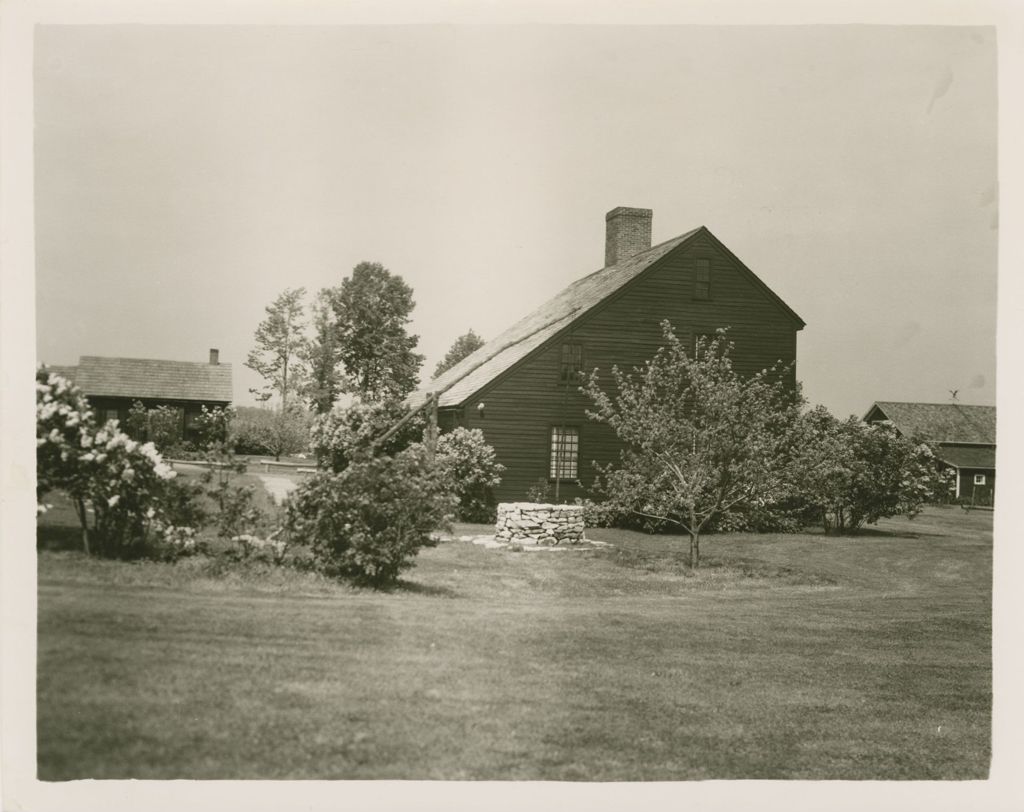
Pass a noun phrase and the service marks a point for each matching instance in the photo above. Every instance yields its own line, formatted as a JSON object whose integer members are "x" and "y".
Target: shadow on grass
{"x": 875, "y": 532}
{"x": 58, "y": 538}
{"x": 414, "y": 588}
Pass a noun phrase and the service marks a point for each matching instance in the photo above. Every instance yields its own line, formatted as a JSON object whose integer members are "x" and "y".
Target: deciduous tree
{"x": 377, "y": 354}
{"x": 280, "y": 346}
{"x": 324, "y": 380}
{"x": 700, "y": 438}
{"x": 464, "y": 345}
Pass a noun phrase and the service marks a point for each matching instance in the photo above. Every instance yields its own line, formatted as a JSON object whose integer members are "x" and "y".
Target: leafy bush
{"x": 164, "y": 427}
{"x": 370, "y": 520}
{"x": 270, "y": 432}
{"x": 851, "y": 473}
{"x": 540, "y": 492}
{"x": 347, "y": 433}
{"x": 137, "y": 423}
{"x": 470, "y": 469}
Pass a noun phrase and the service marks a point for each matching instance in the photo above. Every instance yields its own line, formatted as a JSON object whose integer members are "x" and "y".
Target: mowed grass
{"x": 786, "y": 656}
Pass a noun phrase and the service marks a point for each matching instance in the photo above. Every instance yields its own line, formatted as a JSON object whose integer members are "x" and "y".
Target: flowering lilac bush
{"x": 116, "y": 481}
{"x": 469, "y": 467}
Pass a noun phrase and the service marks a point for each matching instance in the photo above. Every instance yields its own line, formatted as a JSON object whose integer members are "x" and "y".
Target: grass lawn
{"x": 787, "y": 656}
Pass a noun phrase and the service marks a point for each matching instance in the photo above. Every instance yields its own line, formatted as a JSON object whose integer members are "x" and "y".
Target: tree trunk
{"x": 80, "y": 510}
{"x": 694, "y": 550}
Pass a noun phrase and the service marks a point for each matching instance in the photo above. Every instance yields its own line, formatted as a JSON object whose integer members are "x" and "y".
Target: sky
{"x": 186, "y": 175}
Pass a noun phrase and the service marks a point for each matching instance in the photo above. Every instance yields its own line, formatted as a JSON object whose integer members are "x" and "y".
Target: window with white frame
{"x": 979, "y": 479}
{"x": 565, "y": 452}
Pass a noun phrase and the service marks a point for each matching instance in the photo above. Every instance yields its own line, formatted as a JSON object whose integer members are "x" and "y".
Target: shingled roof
{"x": 939, "y": 422}
{"x": 147, "y": 378}
{"x": 968, "y": 456}
{"x": 500, "y": 354}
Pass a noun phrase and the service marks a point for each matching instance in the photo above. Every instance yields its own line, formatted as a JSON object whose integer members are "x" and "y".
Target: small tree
{"x": 469, "y": 467}
{"x": 464, "y": 346}
{"x": 280, "y": 344}
{"x": 700, "y": 438}
{"x": 371, "y": 314}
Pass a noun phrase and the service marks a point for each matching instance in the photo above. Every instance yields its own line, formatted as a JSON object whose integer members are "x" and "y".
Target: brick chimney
{"x": 214, "y": 356}
{"x": 627, "y": 233}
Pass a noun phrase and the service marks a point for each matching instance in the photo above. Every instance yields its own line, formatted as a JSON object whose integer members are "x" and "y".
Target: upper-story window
{"x": 702, "y": 279}
{"x": 571, "y": 369}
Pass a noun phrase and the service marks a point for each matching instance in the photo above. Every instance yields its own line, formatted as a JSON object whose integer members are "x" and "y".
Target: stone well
{"x": 533, "y": 523}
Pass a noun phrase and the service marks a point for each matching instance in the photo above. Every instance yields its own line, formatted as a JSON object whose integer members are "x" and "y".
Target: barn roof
{"x": 500, "y": 354}
{"x": 98, "y": 376}
{"x": 939, "y": 422}
{"x": 967, "y": 456}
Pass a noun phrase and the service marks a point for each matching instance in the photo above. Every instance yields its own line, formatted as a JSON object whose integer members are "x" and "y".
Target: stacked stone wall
{"x": 532, "y": 523}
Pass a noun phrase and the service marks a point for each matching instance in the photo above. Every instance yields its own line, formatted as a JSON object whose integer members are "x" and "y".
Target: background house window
{"x": 109, "y": 414}
{"x": 702, "y": 279}
{"x": 979, "y": 479}
{"x": 565, "y": 453}
{"x": 571, "y": 370}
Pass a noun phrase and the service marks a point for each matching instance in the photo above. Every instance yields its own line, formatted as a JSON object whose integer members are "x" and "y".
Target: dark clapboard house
{"x": 112, "y": 385}
{"x": 965, "y": 437}
{"x": 521, "y": 387}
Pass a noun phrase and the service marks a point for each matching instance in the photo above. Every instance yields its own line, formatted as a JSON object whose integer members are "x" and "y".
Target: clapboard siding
{"x": 522, "y": 405}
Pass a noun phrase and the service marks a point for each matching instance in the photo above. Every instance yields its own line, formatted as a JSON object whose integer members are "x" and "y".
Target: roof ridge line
{"x": 501, "y": 348}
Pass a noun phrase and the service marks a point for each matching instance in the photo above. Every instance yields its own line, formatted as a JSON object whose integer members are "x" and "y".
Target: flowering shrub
{"x": 347, "y": 433}
{"x": 851, "y": 473}
{"x": 172, "y": 542}
{"x": 272, "y": 549}
{"x": 370, "y": 520}
{"x": 116, "y": 479}
{"x": 212, "y": 426}
{"x": 470, "y": 468}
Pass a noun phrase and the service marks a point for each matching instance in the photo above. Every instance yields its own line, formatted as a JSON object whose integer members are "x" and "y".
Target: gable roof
{"x": 500, "y": 354}
{"x": 968, "y": 456}
{"x": 939, "y": 422}
{"x": 148, "y": 378}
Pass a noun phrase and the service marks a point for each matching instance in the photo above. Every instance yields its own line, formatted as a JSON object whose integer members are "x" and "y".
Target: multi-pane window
{"x": 565, "y": 453}
{"x": 704, "y": 339}
{"x": 702, "y": 279}
{"x": 979, "y": 479}
{"x": 571, "y": 370}
{"x": 107, "y": 415}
